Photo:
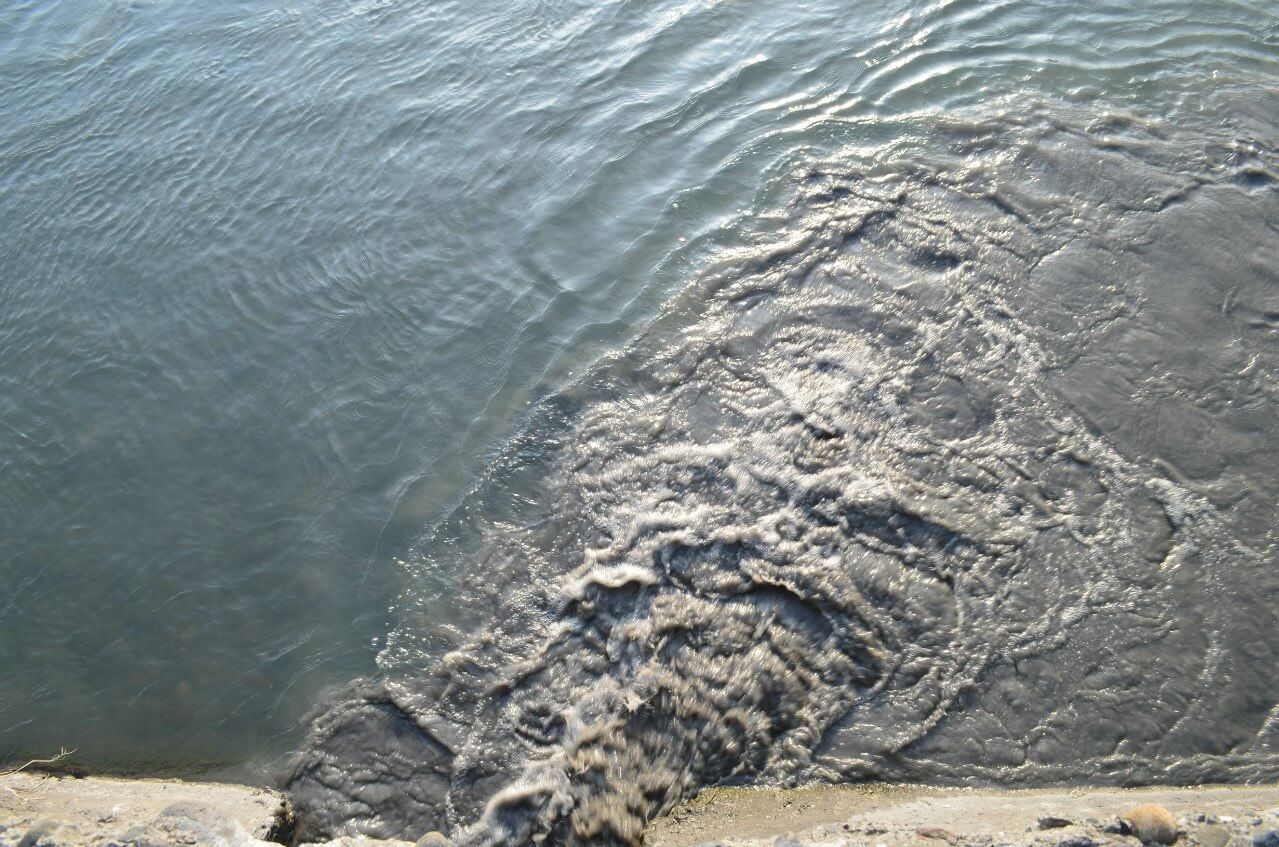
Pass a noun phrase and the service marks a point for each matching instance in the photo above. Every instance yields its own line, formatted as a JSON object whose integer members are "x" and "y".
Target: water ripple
{"x": 277, "y": 281}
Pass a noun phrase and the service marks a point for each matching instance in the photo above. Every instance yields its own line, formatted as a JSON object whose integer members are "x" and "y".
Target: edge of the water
{"x": 56, "y": 810}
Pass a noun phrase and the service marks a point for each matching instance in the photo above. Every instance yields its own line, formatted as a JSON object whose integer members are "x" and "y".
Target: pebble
{"x": 1050, "y": 822}
{"x": 937, "y": 833}
{"x": 433, "y": 839}
{"x": 1152, "y": 824}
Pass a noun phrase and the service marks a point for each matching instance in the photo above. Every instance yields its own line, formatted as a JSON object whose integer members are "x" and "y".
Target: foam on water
{"x": 961, "y": 473}
{"x": 279, "y": 281}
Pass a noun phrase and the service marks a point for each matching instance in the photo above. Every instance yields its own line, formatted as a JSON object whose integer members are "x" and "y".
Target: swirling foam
{"x": 957, "y": 477}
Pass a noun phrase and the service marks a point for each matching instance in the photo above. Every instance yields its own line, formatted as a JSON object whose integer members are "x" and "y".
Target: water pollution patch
{"x": 962, "y": 474}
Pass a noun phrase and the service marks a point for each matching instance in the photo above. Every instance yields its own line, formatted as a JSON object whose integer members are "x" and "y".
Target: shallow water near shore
{"x": 303, "y": 313}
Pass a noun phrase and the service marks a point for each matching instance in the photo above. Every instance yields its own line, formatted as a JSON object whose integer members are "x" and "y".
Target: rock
{"x": 1050, "y": 822}
{"x": 1269, "y": 838}
{"x": 433, "y": 839}
{"x": 133, "y": 833}
{"x": 937, "y": 833}
{"x": 1077, "y": 841}
{"x": 193, "y": 823}
{"x": 40, "y": 833}
{"x": 1152, "y": 824}
{"x": 1212, "y": 835}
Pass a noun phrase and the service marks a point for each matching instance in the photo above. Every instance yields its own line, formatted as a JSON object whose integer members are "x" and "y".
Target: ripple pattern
{"x": 280, "y": 283}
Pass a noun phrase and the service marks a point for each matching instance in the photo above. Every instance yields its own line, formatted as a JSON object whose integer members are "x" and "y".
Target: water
{"x": 281, "y": 284}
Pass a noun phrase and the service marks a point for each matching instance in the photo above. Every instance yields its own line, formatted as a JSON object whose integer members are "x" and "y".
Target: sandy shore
{"x": 101, "y": 810}
{"x": 900, "y": 815}
{"x": 43, "y": 811}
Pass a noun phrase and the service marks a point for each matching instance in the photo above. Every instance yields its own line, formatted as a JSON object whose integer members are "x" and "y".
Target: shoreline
{"x": 42, "y": 810}
{"x": 85, "y": 811}
{"x": 897, "y": 815}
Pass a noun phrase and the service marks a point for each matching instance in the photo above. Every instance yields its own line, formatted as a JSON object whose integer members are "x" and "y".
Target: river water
{"x": 926, "y": 347}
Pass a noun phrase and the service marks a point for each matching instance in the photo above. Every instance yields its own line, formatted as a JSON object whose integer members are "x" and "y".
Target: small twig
{"x": 62, "y": 754}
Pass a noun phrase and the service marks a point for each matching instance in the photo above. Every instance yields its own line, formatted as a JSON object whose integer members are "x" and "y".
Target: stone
{"x": 1151, "y": 823}
{"x": 197, "y": 824}
{"x": 1050, "y": 822}
{"x": 433, "y": 839}
{"x": 1212, "y": 835}
{"x": 40, "y": 833}
{"x": 1077, "y": 841}
{"x": 1269, "y": 838}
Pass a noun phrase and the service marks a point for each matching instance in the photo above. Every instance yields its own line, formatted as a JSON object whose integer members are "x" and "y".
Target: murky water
{"x": 946, "y": 458}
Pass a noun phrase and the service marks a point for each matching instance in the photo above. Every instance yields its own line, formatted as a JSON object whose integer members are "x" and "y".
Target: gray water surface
{"x": 278, "y": 284}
